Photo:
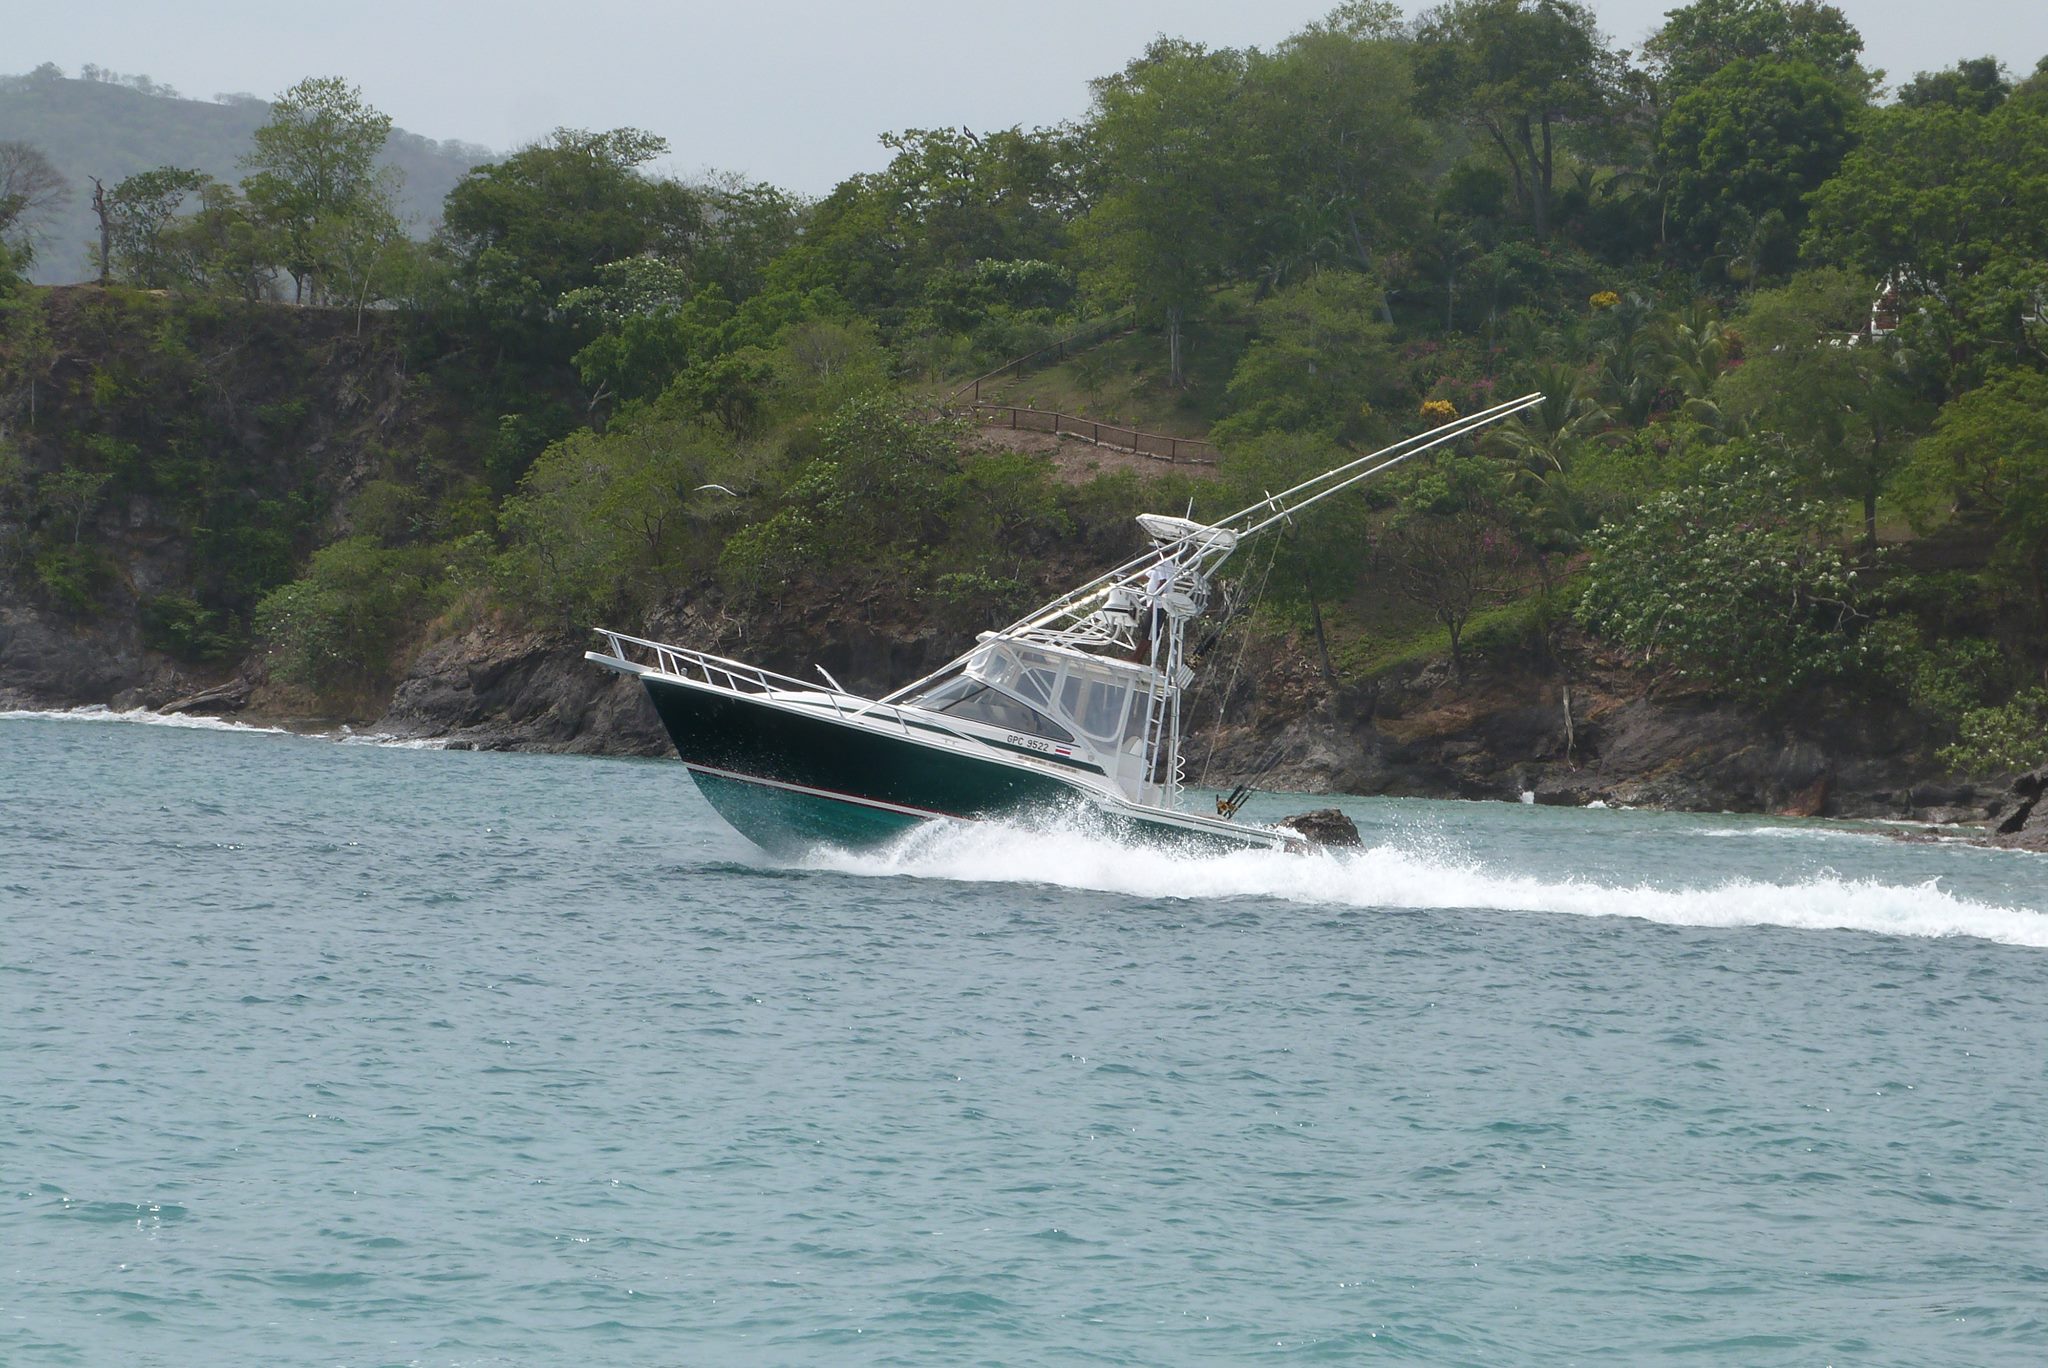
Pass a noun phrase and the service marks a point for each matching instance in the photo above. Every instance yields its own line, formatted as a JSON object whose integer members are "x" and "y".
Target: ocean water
{"x": 316, "y": 1053}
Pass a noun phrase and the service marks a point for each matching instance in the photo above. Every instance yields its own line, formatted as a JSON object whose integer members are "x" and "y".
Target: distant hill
{"x": 112, "y": 127}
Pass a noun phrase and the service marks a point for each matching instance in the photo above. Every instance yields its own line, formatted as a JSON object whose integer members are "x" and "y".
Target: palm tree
{"x": 1745, "y": 242}
{"x": 1447, "y": 250}
{"x": 1696, "y": 346}
{"x": 1543, "y": 439}
{"x": 1630, "y": 361}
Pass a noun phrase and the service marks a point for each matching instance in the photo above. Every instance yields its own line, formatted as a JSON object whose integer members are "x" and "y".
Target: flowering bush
{"x": 1731, "y": 582}
{"x": 1439, "y": 411}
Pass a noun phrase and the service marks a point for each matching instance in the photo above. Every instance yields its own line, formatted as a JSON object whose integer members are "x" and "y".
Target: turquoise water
{"x": 346, "y": 1054}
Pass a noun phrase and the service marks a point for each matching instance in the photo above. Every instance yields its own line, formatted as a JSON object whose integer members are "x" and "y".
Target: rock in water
{"x": 2026, "y": 825}
{"x": 1325, "y": 827}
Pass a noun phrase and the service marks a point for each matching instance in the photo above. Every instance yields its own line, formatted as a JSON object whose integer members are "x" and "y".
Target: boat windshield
{"x": 1089, "y": 695}
{"x": 973, "y": 701}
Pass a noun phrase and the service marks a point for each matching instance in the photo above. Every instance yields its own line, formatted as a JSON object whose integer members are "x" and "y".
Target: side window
{"x": 1098, "y": 706}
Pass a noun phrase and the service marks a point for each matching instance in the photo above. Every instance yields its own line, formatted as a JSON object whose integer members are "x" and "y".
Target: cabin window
{"x": 1095, "y": 705}
{"x": 972, "y": 701}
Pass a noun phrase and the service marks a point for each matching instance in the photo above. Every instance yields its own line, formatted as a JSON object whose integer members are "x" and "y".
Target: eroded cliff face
{"x": 1577, "y": 728}
{"x": 501, "y": 687}
{"x": 228, "y": 441}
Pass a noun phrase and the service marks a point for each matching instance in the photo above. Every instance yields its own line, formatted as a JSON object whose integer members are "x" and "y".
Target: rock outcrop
{"x": 496, "y": 688}
{"x": 1324, "y": 827}
{"x": 2024, "y": 824}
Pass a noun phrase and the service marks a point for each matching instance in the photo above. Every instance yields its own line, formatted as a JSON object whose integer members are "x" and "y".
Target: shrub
{"x": 186, "y": 629}
{"x": 1730, "y": 582}
{"x": 333, "y": 630}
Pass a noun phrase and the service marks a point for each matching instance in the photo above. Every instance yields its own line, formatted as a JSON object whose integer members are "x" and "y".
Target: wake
{"x": 1390, "y": 876}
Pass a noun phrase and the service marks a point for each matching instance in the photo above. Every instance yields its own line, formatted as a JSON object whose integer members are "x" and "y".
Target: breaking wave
{"x": 1417, "y": 878}
{"x": 99, "y": 712}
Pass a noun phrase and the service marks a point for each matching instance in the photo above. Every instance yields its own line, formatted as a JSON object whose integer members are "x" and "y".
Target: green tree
{"x": 1976, "y": 85}
{"x": 650, "y": 326}
{"x": 1728, "y": 581}
{"x": 1933, "y": 193}
{"x": 1317, "y": 364}
{"x": 1453, "y": 547}
{"x": 1843, "y": 396}
{"x": 542, "y": 223}
{"x": 1750, "y": 141}
{"x": 139, "y": 211}
{"x": 1987, "y": 458}
{"x": 602, "y": 520}
{"x": 334, "y": 629}
{"x": 879, "y": 494}
{"x": 1341, "y": 175}
{"x": 315, "y": 178}
{"x": 1522, "y": 74}
{"x": 30, "y": 351}
{"x": 221, "y": 246}
{"x": 1161, "y": 231}
{"x": 948, "y": 201}
{"x": 1700, "y": 39}
{"x": 71, "y": 495}
{"x": 747, "y": 225}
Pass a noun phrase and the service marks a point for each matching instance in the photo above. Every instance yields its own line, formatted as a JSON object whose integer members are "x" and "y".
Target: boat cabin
{"x": 1069, "y": 700}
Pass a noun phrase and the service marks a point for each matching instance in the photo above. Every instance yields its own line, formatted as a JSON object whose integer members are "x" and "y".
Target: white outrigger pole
{"x": 1138, "y": 613}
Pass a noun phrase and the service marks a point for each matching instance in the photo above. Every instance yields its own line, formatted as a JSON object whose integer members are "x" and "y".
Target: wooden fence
{"x": 1179, "y": 450}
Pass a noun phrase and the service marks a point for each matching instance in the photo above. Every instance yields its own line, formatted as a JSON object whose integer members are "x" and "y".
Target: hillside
{"x": 112, "y": 130}
{"x": 1770, "y": 536}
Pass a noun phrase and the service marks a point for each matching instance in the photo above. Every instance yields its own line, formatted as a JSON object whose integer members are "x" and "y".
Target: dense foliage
{"x": 1794, "y": 344}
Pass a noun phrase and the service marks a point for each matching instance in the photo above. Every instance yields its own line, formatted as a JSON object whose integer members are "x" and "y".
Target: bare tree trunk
{"x": 1176, "y": 376}
{"x": 1364, "y": 255}
{"x": 99, "y": 208}
{"x": 1570, "y": 737}
{"x": 1315, "y": 617}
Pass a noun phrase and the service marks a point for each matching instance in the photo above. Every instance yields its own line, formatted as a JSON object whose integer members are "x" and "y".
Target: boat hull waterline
{"x": 790, "y": 778}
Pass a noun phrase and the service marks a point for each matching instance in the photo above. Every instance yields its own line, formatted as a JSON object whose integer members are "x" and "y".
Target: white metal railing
{"x": 736, "y": 676}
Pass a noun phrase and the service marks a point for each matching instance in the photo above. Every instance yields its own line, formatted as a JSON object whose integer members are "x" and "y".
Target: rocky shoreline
{"x": 1583, "y": 730}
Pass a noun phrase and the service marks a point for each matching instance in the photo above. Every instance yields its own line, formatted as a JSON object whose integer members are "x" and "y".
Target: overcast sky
{"x": 781, "y": 91}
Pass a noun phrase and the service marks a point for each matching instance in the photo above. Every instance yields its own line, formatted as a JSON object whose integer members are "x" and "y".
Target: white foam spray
{"x": 97, "y": 712}
{"x": 1419, "y": 877}
{"x": 140, "y": 716}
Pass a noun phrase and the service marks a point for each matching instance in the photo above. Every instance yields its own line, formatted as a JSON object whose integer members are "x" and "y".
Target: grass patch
{"x": 1123, "y": 380}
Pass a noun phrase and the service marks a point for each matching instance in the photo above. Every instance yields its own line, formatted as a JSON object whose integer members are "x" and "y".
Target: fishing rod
{"x": 1226, "y": 808}
{"x": 1215, "y": 542}
{"x": 1343, "y": 477}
